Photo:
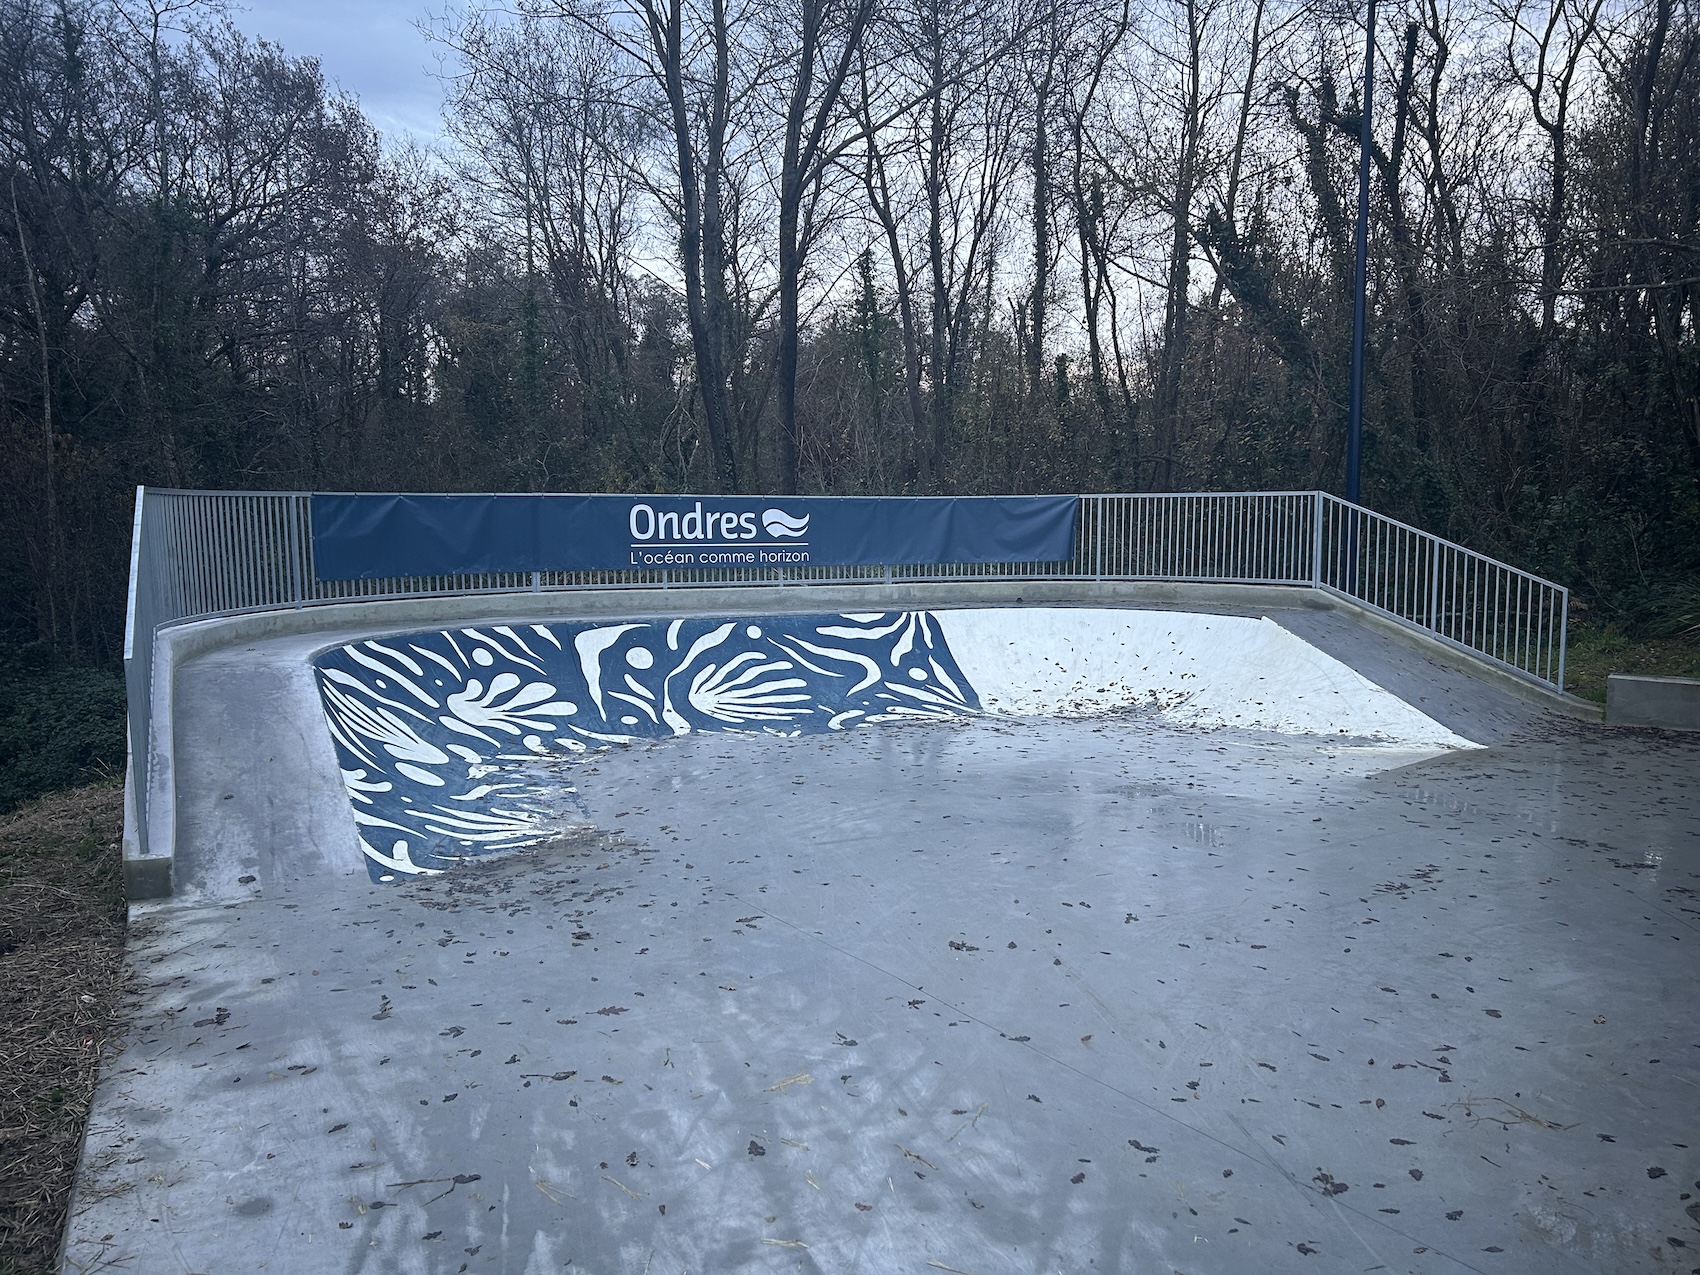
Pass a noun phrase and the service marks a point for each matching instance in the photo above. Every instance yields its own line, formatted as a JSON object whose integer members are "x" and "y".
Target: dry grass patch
{"x": 62, "y": 978}
{"x": 1596, "y": 653}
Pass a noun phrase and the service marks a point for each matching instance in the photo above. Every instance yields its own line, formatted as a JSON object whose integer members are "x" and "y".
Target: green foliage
{"x": 61, "y": 725}
{"x": 1597, "y": 651}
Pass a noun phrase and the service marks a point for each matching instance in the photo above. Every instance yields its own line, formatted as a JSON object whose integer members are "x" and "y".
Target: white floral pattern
{"x": 427, "y": 724}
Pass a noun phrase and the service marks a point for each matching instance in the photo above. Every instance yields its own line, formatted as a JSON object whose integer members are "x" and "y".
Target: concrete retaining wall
{"x": 1672, "y": 703}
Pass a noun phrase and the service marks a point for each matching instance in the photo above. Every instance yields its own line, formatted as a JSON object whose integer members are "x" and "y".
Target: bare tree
{"x": 826, "y": 36}
{"x": 1543, "y": 57}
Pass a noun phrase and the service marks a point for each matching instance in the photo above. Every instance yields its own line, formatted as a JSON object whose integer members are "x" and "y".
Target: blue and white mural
{"x": 432, "y": 730}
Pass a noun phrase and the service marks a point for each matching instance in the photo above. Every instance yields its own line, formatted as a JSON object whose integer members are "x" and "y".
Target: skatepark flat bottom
{"x": 978, "y": 996}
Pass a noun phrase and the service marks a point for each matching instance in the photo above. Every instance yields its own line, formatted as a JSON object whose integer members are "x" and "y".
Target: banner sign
{"x": 374, "y": 537}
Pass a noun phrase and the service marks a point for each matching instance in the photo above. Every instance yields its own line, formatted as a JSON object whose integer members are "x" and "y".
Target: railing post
{"x": 138, "y": 706}
{"x": 1316, "y": 498}
{"x": 1563, "y": 632}
{"x": 1100, "y": 507}
{"x": 1434, "y": 584}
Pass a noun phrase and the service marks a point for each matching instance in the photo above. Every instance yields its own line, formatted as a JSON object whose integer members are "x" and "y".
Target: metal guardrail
{"x": 197, "y": 555}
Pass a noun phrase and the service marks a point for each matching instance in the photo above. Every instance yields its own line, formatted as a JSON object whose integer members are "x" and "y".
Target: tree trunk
{"x": 1172, "y": 358}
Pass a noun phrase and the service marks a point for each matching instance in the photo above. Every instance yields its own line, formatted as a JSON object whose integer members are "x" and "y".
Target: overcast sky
{"x": 369, "y": 48}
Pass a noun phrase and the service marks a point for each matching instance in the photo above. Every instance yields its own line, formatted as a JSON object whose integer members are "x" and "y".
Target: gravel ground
{"x": 62, "y": 976}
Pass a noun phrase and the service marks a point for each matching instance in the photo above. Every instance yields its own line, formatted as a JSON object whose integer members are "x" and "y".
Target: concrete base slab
{"x": 1112, "y": 993}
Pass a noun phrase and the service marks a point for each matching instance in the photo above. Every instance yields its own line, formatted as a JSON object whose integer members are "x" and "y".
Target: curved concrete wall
{"x": 1075, "y": 668}
{"x": 437, "y": 733}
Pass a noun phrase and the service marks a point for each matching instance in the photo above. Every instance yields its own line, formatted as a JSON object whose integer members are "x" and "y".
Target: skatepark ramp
{"x": 206, "y": 556}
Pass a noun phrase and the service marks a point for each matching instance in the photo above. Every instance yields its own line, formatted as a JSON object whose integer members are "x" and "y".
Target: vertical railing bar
{"x": 1466, "y": 600}
{"x": 236, "y": 564}
{"x": 1269, "y": 518}
{"x": 1234, "y": 562}
{"x": 1266, "y": 513}
{"x": 1543, "y": 628}
{"x": 1385, "y": 582}
{"x": 195, "y": 594}
{"x": 1563, "y": 632}
{"x": 1416, "y": 591}
{"x": 1401, "y": 577}
{"x": 250, "y": 530}
{"x": 1522, "y": 622}
{"x": 1156, "y": 548}
{"x": 304, "y": 586}
{"x": 1495, "y": 611}
{"x": 1211, "y": 546}
{"x": 286, "y": 580}
{"x": 1393, "y": 577}
{"x": 1211, "y": 510}
{"x": 1501, "y": 614}
{"x": 280, "y": 534}
{"x": 1170, "y": 567}
{"x": 209, "y": 592}
{"x": 1490, "y": 604}
{"x": 1192, "y": 539}
{"x": 1197, "y": 519}
{"x": 1246, "y": 531}
{"x": 1434, "y": 585}
{"x": 263, "y": 514}
{"x": 1540, "y": 631}
{"x": 278, "y": 513}
{"x": 1166, "y": 564}
{"x": 1316, "y": 540}
{"x": 268, "y": 550}
{"x": 1513, "y": 617}
{"x": 1245, "y": 554}
{"x": 1395, "y": 547}
{"x": 246, "y": 509}
{"x": 1173, "y": 538}
{"x": 1519, "y": 635}
{"x": 217, "y": 559}
{"x": 1232, "y": 508}
{"x": 1386, "y": 537}
{"x": 232, "y": 564}
{"x": 1257, "y": 514}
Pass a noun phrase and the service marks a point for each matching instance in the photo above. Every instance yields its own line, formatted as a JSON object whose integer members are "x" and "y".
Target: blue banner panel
{"x": 374, "y": 537}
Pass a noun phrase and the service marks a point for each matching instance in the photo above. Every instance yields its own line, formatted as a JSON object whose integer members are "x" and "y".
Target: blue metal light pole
{"x": 1355, "y": 422}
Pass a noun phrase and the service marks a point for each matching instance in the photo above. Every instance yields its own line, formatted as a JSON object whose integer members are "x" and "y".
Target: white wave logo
{"x": 779, "y": 523}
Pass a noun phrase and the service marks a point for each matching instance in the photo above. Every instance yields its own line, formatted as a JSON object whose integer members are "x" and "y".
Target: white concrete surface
{"x": 1205, "y": 670}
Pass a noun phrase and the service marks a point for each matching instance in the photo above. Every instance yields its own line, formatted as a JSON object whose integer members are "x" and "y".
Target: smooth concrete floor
{"x": 987, "y": 997}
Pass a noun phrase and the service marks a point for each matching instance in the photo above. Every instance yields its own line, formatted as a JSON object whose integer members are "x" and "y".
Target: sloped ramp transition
{"x": 438, "y": 733}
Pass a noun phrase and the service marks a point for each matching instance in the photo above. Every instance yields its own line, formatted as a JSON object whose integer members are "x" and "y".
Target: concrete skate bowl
{"x": 1144, "y": 910}
{"x": 1121, "y": 929}
{"x": 438, "y": 732}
